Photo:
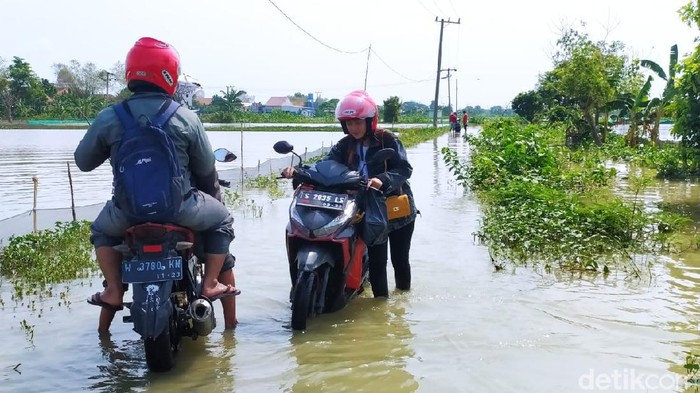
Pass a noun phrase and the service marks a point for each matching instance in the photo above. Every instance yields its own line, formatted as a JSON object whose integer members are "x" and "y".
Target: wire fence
{"x": 44, "y": 218}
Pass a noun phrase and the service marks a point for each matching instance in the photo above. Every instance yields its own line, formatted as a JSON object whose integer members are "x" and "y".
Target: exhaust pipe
{"x": 202, "y": 313}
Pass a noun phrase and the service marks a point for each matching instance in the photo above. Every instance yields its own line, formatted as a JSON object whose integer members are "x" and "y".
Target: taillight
{"x": 153, "y": 248}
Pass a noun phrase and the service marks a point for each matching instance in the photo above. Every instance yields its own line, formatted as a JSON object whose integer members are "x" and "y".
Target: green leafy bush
{"x": 34, "y": 261}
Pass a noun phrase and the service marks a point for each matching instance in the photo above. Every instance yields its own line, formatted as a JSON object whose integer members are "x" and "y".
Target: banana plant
{"x": 634, "y": 108}
{"x": 658, "y": 106}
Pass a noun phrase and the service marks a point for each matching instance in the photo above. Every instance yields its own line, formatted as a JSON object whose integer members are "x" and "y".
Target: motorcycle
{"x": 166, "y": 276}
{"x": 328, "y": 262}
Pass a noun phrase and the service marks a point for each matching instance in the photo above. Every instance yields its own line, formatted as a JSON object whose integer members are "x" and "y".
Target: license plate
{"x": 161, "y": 269}
{"x": 324, "y": 200}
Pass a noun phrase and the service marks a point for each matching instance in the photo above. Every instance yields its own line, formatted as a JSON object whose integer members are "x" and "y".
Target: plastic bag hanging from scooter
{"x": 375, "y": 227}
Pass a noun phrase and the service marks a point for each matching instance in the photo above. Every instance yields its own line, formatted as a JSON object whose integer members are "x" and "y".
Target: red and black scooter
{"x": 328, "y": 262}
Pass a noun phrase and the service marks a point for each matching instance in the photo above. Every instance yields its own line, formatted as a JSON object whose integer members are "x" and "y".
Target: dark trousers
{"x": 400, "y": 243}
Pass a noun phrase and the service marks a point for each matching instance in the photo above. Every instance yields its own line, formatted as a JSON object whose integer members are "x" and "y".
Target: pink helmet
{"x": 357, "y": 105}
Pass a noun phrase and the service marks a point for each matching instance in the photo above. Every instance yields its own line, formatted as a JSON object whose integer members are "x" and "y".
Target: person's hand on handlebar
{"x": 375, "y": 183}
{"x": 288, "y": 173}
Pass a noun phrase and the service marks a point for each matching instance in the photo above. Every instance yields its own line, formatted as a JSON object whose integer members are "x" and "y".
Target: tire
{"x": 160, "y": 355}
{"x": 304, "y": 297}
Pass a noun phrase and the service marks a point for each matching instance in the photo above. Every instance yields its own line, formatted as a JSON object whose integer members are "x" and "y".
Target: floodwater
{"x": 47, "y": 154}
{"x": 463, "y": 327}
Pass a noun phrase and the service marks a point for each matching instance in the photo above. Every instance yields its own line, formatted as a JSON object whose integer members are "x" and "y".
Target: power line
{"x": 453, "y": 7}
{"x": 389, "y": 67}
{"x": 404, "y": 83}
{"x": 424, "y": 7}
{"x": 310, "y": 35}
{"x": 438, "y": 7}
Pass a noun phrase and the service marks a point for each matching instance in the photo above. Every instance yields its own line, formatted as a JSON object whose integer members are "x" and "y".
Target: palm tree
{"x": 232, "y": 98}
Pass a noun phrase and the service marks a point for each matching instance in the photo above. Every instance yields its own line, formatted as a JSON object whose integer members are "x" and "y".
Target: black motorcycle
{"x": 166, "y": 278}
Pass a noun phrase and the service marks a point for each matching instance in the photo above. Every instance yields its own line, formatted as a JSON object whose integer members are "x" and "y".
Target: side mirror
{"x": 223, "y": 155}
{"x": 283, "y": 147}
{"x": 383, "y": 155}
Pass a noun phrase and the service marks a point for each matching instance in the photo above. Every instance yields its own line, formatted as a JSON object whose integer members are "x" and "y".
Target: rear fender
{"x": 151, "y": 308}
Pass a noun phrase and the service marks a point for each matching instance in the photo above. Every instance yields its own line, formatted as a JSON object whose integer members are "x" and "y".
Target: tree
{"x": 527, "y": 105}
{"x": 687, "y": 93}
{"x": 392, "y": 109}
{"x": 6, "y": 99}
{"x": 586, "y": 76}
{"x": 659, "y": 106}
{"x": 230, "y": 101}
{"x": 414, "y": 108}
{"x": 298, "y": 99}
{"x": 634, "y": 108}
{"x": 26, "y": 89}
{"x": 328, "y": 107}
{"x": 83, "y": 80}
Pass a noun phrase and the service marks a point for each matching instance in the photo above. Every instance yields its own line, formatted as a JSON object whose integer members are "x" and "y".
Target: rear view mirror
{"x": 223, "y": 155}
{"x": 283, "y": 147}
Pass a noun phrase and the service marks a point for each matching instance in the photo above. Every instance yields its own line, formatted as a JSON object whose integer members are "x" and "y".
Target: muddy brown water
{"x": 462, "y": 328}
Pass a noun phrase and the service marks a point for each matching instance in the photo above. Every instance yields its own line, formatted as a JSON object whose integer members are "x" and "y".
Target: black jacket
{"x": 398, "y": 170}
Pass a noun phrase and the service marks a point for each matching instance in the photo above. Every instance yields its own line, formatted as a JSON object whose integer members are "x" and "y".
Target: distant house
{"x": 203, "y": 100}
{"x": 280, "y": 104}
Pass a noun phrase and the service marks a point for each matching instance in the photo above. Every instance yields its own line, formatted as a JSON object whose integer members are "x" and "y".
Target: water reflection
{"x": 367, "y": 352}
{"x": 125, "y": 366}
{"x": 204, "y": 364}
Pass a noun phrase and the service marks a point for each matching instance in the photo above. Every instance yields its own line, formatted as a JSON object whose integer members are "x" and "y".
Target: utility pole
{"x": 318, "y": 100}
{"x": 456, "y": 94}
{"x": 449, "y": 93}
{"x": 439, "y": 65}
{"x": 369, "y": 50}
{"x": 107, "y": 75}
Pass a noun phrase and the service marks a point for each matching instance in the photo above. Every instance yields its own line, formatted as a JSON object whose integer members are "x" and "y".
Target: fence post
{"x": 241, "y": 155}
{"x": 36, "y": 189}
{"x": 72, "y": 199}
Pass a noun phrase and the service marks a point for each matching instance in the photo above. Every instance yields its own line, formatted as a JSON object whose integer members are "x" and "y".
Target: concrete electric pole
{"x": 439, "y": 65}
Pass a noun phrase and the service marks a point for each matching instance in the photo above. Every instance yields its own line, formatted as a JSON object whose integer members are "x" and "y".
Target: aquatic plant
{"x": 34, "y": 262}
{"x": 544, "y": 203}
{"x": 269, "y": 183}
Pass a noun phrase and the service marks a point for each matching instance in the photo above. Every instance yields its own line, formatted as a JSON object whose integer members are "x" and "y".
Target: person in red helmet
{"x": 152, "y": 70}
{"x": 358, "y": 115}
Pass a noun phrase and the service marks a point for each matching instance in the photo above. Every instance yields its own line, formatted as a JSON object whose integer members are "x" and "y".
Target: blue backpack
{"x": 148, "y": 180}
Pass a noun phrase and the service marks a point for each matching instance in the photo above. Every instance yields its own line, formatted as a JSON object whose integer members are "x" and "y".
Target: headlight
{"x": 296, "y": 219}
{"x": 337, "y": 222}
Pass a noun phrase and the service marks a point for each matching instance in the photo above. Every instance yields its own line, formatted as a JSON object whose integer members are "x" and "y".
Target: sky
{"x": 280, "y": 47}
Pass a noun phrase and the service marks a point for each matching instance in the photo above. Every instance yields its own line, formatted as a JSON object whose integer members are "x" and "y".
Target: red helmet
{"x": 357, "y": 105}
{"x": 153, "y": 61}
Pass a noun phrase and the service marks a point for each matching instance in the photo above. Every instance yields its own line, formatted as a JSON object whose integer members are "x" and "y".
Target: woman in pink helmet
{"x": 358, "y": 115}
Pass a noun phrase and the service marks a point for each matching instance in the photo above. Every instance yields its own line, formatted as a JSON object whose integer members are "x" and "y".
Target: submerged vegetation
{"x": 32, "y": 263}
{"x": 546, "y": 203}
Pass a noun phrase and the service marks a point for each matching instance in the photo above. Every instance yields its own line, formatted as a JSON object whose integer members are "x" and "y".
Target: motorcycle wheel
{"x": 159, "y": 352}
{"x": 303, "y": 301}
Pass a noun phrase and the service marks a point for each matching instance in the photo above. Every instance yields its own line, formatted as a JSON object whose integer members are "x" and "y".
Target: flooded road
{"x": 462, "y": 328}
